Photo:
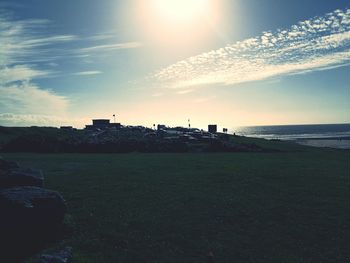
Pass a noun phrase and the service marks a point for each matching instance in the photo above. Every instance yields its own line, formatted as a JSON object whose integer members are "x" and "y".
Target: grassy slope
{"x": 284, "y": 146}
{"x": 9, "y": 133}
{"x": 244, "y": 207}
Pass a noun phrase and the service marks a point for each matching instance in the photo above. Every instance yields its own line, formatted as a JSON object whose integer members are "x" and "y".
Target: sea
{"x": 319, "y": 135}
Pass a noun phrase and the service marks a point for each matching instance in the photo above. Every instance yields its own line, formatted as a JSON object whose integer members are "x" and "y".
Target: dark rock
{"x": 29, "y": 205}
{"x": 6, "y": 165}
{"x": 21, "y": 177}
{"x": 30, "y": 218}
{"x": 62, "y": 256}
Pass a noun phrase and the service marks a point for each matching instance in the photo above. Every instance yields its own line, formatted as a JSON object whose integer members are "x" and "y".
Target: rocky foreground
{"x": 31, "y": 216}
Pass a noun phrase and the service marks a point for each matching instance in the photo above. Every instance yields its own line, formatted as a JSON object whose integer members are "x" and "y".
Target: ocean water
{"x": 322, "y": 135}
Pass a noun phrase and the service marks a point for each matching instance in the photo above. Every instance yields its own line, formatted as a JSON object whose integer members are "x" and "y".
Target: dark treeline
{"x": 52, "y": 144}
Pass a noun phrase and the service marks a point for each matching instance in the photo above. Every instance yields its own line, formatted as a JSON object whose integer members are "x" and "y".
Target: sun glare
{"x": 181, "y": 11}
{"x": 166, "y": 21}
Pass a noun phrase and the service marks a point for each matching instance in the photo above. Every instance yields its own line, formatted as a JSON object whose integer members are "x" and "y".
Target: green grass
{"x": 244, "y": 207}
{"x": 266, "y": 145}
{"x": 9, "y": 133}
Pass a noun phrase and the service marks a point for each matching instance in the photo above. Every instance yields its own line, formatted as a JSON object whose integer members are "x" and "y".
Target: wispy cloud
{"x": 110, "y": 47}
{"x": 28, "y": 52}
{"x": 20, "y": 41}
{"x": 44, "y": 41}
{"x": 87, "y": 73}
{"x": 103, "y": 36}
{"x": 12, "y": 119}
{"x": 23, "y": 44}
{"x": 29, "y": 98}
{"x": 25, "y": 41}
{"x": 316, "y": 44}
{"x": 19, "y": 73}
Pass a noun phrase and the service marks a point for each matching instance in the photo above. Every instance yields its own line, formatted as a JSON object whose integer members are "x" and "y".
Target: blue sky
{"x": 239, "y": 62}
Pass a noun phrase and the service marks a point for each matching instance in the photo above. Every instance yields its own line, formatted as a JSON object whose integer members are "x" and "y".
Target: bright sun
{"x": 175, "y": 21}
{"x": 181, "y": 11}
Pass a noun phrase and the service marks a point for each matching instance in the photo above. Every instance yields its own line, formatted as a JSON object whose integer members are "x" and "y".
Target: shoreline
{"x": 336, "y": 143}
{"x": 325, "y": 138}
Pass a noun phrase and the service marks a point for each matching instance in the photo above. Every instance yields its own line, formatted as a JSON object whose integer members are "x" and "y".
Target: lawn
{"x": 242, "y": 207}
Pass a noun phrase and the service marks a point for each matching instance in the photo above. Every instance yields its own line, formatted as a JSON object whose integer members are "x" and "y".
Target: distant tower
{"x": 189, "y": 124}
{"x": 114, "y": 117}
{"x": 154, "y": 127}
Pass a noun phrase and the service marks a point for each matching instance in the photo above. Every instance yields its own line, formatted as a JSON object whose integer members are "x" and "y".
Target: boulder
{"x": 31, "y": 206}
{"x": 30, "y": 218}
{"x": 62, "y": 256}
{"x": 6, "y": 165}
{"x": 21, "y": 177}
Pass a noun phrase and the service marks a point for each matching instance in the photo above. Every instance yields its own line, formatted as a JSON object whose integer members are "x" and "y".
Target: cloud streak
{"x": 28, "y": 52}
{"x": 316, "y": 44}
{"x": 23, "y": 41}
{"x": 11, "y": 119}
{"x": 29, "y": 98}
{"x": 19, "y": 73}
{"x": 87, "y": 73}
{"x": 110, "y": 47}
{"x": 22, "y": 45}
{"x": 20, "y": 41}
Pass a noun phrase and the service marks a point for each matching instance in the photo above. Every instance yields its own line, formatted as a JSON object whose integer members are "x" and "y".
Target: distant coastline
{"x": 317, "y": 135}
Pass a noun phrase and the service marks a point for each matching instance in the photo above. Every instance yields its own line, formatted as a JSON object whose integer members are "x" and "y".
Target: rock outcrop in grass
{"x": 31, "y": 216}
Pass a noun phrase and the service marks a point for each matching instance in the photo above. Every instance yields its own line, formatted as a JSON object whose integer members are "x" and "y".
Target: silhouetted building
{"x": 212, "y": 128}
{"x": 224, "y": 130}
{"x": 98, "y": 124}
{"x": 101, "y": 122}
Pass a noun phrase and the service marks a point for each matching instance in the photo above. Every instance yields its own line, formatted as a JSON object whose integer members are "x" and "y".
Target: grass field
{"x": 243, "y": 207}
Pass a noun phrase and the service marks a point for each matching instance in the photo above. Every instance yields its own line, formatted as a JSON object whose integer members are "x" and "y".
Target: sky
{"x": 232, "y": 63}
